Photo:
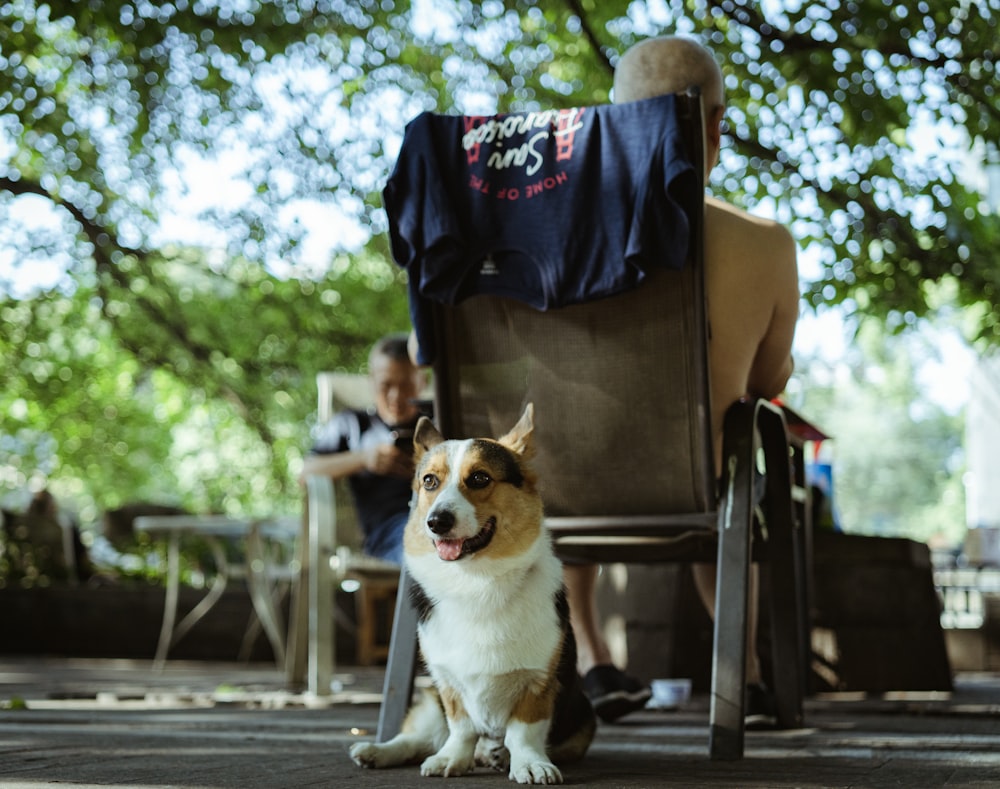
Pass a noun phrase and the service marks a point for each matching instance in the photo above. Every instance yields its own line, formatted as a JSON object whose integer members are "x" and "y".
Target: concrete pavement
{"x": 208, "y": 725}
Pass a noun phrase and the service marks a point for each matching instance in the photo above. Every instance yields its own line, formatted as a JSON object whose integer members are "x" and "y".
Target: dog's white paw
{"x": 366, "y": 754}
{"x": 536, "y": 773}
{"x": 446, "y": 766}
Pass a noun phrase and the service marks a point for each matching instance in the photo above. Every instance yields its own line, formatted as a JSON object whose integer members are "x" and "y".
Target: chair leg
{"x": 397, "y": 687}
{"x": 367, "y": 602}
{"x": 321, "y": 649}
{"x": 364, "y": 607}
{"x": 803, "y": 534}
{"x": 728, "y": 699}
{"x": 784, "y": 572}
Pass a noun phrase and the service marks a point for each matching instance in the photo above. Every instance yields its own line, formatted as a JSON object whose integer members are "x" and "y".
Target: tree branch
{"x": 102, "y": 239}
{"x": 576, "y": 8}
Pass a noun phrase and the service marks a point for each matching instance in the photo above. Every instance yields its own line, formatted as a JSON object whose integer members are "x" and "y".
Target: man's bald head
{"x": 668, "y": 64}
{"x": 673, "y": 64}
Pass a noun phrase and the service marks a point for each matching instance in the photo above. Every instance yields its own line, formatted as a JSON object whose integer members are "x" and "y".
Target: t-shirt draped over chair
{"x": 549, "y": 208}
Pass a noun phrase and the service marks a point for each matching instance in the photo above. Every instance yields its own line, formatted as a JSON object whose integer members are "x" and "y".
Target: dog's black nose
{"x": 441, "y": 522}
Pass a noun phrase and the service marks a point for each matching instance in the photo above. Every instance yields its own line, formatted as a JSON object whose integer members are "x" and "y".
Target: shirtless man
{"x": 753, "y": 305}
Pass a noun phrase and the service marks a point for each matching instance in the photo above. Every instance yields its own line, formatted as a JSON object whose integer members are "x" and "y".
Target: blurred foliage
{"x": 897, "y": 457}
{"x": 170, "y": 367}
{"x": 196, "y": 394}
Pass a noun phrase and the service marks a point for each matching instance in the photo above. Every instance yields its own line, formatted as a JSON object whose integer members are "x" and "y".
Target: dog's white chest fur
{"x": 491, "y": 635}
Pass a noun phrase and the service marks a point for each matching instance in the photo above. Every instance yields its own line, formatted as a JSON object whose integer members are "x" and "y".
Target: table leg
{"x": 260, "y": 593}
{"x": 170, "y": 604}
{"x": 209, "y": 600}
{"x": 297, "y": 652}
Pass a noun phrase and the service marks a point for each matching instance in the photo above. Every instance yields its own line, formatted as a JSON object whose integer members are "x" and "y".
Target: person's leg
{"x": 387, "y": 541}
{"x": 581, "y": 593}
{"x": 612, "y": 692}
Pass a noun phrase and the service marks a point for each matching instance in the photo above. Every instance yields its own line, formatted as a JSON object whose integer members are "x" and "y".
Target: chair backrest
{"x": 620, "y": 385}
{"x": 338, "y": 390}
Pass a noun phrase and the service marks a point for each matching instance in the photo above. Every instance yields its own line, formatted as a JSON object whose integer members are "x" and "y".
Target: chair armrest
{"x": 311, "y": 638}
{"x": 320, "y": 534}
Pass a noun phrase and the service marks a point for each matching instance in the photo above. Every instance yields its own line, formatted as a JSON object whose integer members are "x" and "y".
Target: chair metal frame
{"x": 329, "y": 551}
{"x": 716, "y": 521}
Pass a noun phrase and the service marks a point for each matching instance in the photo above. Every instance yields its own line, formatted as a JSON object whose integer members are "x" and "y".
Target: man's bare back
{"x": 751, "y": 276}
{"x": 753, "y": 296}
{"x": 753, "y": 300}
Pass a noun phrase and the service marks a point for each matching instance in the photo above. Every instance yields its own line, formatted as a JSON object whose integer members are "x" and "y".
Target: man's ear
{"x": 425, "y": 437}
{"x": 519, "y": 439}
{"x": 713, "y": 135}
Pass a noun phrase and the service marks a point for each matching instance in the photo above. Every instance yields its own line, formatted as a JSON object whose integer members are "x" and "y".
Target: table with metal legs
{"x": 259, "y": 570}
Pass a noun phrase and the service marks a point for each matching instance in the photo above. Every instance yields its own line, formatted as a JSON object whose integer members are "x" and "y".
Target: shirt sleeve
{"x": 338, "y": 434}
{"x": 420, "y": 216}
{"x": 660, "y": 228}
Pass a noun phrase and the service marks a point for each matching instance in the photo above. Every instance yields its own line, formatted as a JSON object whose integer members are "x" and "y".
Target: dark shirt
{"x": 382, "y": 502}
{"x": 550, "y": 208}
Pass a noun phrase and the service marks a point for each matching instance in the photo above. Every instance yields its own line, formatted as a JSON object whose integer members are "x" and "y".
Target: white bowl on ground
{"x": 669, "y": 694}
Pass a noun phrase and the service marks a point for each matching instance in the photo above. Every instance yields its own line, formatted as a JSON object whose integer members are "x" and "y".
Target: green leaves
{"x": 188, "y": 386}
{"x": 249, "y": 125}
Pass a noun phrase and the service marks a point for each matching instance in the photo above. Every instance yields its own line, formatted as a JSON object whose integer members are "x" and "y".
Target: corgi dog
{"x": 493, "y": 622}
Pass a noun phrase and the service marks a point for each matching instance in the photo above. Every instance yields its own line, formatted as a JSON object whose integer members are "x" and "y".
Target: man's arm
{"x": 335, "y": 465}
{"x": 382, "y": 459}
{"x": 772, "y": 364}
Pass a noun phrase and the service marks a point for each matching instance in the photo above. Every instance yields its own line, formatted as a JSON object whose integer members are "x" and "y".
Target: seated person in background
{"x": 374, "y": 448}
{"x": 753, "y": 304}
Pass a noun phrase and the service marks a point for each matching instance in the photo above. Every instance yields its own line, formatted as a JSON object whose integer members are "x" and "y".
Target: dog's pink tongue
{"x": 449, "y": 550}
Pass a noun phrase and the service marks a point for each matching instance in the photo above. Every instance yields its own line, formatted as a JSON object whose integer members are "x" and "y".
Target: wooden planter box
{"x": 121, "y": 621}
{"x": 876, "y": 622}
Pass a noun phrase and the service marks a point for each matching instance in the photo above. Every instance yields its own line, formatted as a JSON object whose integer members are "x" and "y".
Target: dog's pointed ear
{"x": 520, "y": 438}
{"x": 425, "y": 437}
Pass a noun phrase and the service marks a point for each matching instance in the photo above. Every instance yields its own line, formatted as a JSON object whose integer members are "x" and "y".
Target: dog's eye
{"x": 478, "y": 480}
{"x": 430, "y": 482}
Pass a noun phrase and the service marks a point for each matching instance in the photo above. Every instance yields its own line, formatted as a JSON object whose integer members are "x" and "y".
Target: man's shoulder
{"x": 733, "y": 228}
{"x": 341, "y": 431}
{"x": 721, "y": 212}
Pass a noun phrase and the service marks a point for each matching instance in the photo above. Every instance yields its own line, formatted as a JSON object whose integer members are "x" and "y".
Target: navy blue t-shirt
{"x": 382, "y": 502}
{"x": 551, "y": 208}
